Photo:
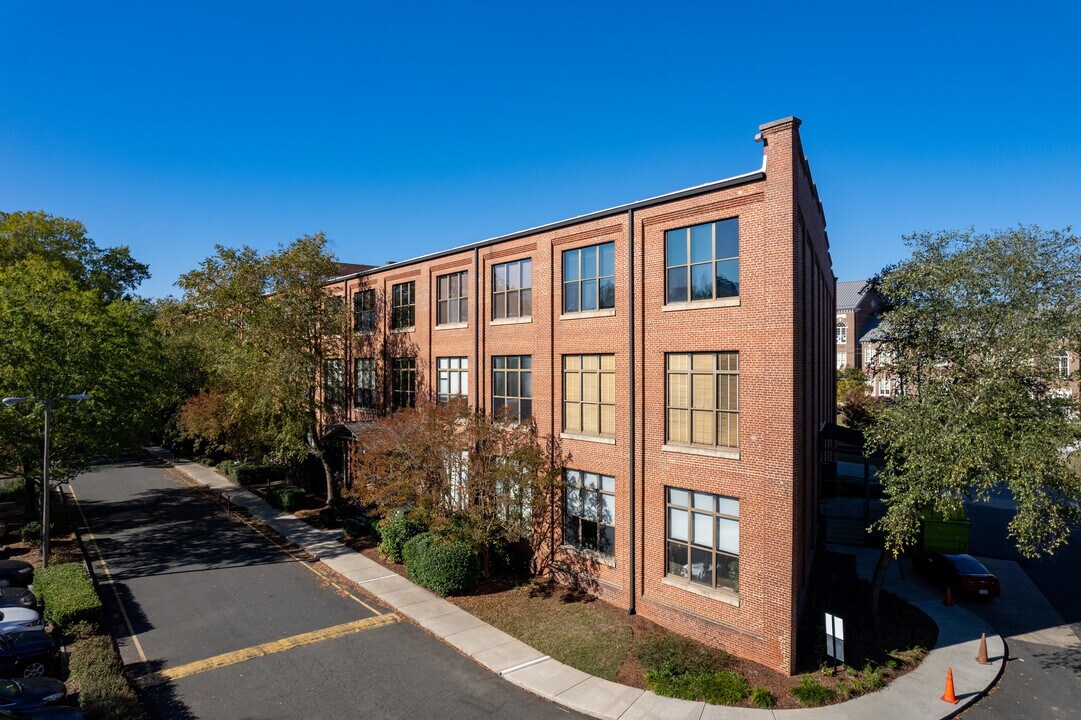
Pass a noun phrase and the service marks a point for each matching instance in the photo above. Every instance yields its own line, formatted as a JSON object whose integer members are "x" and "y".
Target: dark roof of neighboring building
{"x": 850, "y": 293}
{"x": 874, "y": 330}
{"x": 345, "y": 268}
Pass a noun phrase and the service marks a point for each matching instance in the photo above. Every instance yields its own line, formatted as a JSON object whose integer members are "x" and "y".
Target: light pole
{"x": 46, "y": 403}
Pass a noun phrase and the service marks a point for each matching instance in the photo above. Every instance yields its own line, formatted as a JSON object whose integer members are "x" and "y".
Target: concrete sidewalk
{"x": 914, "y": 695}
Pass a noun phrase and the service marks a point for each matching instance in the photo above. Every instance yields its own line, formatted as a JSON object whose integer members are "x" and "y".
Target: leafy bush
{"x": 209, "y": 462}
{"x": 444, "y": 567}
{"x": 226, "y": 468}
{"x": 681, "y": 653}
{"x": 284, "y": 497}
{"x": 812, "y": 693}
{"x": 104, "y": 692}
{"x": 251, "y": 473}
{"x": 31, "y": 533}
{"x": 328, "y": 518}
{"x": 13, "y": 490}
{"x": 718, "y": 688}
{"x": 355, "y": 527}
{"x": 762, "y": 698}
{"x": 68, "y": 595}
{"x": 395, "y": 531}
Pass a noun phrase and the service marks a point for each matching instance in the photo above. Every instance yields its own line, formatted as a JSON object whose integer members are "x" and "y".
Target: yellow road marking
{"x": 277, "y": 646}
{"x": 109, "y": 579}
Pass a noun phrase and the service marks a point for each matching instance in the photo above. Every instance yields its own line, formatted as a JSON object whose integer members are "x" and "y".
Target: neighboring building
{"x": 679, "y": 347}
{"x": 857, "y": 308}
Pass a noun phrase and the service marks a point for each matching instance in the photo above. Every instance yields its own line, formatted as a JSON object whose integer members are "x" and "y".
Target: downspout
{"x": 476, "y": 330}
{"x": 633, "y": 416}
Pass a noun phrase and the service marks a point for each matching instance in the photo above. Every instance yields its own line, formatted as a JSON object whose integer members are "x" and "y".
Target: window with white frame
{"x": 702, "y": 399}
{"x": 842, "y": 360}
{"x": 452, "y": 378}
{"x": 452, "y": 298}
{"x": 512, "y": 290}
{"x": 589, "y": 511}
{"x": 884, "y": 386}
{"x": 1061, "y": 364}
{"x": 589, "y": 394}
{"x": 364, "y": 311}
{"x": 403, "y": 306}
{"x": 457, "y": 464}
{"x": 842, "y": 332}
{"x": 589, "y": 278}
{"x": 702, "y": 532}
{"x": 404, "y": 382}
{"x": 512, "y": 387}
{"x": 364, "y": 383}
{"x": 332, "y": 382}
{"x": 702, "y": 262}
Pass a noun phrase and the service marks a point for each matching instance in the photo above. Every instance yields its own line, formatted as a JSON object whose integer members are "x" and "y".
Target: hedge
{"x": 68, "y": 595}
{"x": 104, "y": 692}
{"x": 284, "y": 496}
{"x": 250, "y": 473}
{"x": 395, "y": 531}
{"x": 446, "y": 567}
{"x": 717, "y": 688}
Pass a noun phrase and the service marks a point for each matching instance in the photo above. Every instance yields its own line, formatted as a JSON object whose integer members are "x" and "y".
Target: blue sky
{"x": 402, "y": 128}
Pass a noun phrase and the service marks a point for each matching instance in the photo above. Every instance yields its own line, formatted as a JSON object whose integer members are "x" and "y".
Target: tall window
{"x": 364, "y": 311}
{"x": 453, "y": 378}
{"x": 703, "y": 261}
{"x": 1061, "y": 364}
{"x": 512, "y": 387}
{"x": 842, "y": 360}
{"x": 364, "y": 383}
{"x": 703, "y": 538}
{"x": 452, "y": 298}
{"x": 703, "y": 399}
{"x": 884, "y": 386}
{"x": 842, "y": 332}
{"x": 589, "y": 394}
{"x": 589, "y": 278}
{"x": 512, "y": 289}
{"x": 457, "y": 496}
{"x": 589, "y": 511}
{"x": 332, "y": 382}
{"x": 402, "y": 306}
{"x": 404, "y": 382}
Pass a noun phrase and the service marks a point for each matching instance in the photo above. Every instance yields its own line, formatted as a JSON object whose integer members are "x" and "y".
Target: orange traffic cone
{"x": 949, "y": 696}
{"x": 948, "y": 602}
{"x": 982, "y": 657}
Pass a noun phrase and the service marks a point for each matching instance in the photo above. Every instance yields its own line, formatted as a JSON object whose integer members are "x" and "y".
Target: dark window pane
{"x": 453, "y": 285}
{"x": 608, "y": 540}
{"x": 500, "y": 278}
{"x": 512, "y": 305}
{"x": 441, "y": 312}
{"x": 607, "y": 292}
{"x": 570, "y": 529}
{"x": 514, "y": 275}
{"x": 589, "y": 534}
{"x": 512, "y": 384}
{"x": 499, "y": 361}
{"x": 728, "y": 572}
{"x": 527, "y": 273}
{"x": 500, "y": 309}
{"x": 499, "y": 384}
{"x": 570, "y": 265}
{"x": 702, "y": 281}
{"x": 463, "y": 310}
{"x": 608, "y": 259}
{"x": 677, "y": 559}
{"x": 728, "y": 278}
{"x": 527, "y": 384}
{"x": 527, "y": 361}
{"x": 728, "y": 238}
{"x": 527, "y": 409}
{"x": 511, "y": 406}
{"x": 677, "y": 247}
{"x": 677, "y": 284}
{"x": 702, "y": 566}
{"x": 527, "y": 303}
{"x": 512, "y": 361}
{"x": 570, "y": 297}
{"x": 702, "y": 243}
{"x": 589, "y": 294}
{"x": 589, "y": 262}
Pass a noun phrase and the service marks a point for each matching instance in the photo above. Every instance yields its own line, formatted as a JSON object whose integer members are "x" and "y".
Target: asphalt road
{"x": 196, "y": 585}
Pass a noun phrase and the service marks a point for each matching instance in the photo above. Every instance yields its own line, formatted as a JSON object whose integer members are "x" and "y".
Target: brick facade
{"x": 779, "y": 325}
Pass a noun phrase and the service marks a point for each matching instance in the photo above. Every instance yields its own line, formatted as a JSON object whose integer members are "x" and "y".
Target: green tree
{"x": 264, "y": 327}
{"x": 971, "y": 328}
{"x": 854, "y": 399}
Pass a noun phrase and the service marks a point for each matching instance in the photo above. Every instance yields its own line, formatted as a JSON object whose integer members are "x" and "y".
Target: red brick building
{"x": 679, "y": 346}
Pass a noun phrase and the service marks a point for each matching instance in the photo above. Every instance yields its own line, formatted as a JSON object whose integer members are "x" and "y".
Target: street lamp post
{"x": 46, "y": 403}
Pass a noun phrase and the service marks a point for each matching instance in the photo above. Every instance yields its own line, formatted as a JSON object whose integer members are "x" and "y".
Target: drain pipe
{"x": 631, "y": 478}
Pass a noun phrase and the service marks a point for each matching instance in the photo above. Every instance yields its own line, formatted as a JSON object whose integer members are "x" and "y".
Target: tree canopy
{"x": 973, "y": 328}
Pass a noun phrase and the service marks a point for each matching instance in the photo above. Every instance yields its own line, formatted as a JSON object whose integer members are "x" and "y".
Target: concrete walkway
{"x": 914, "y": 695}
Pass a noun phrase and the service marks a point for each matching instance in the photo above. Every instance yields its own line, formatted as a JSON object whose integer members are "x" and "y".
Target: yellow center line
{"x": 277, "y": 646}
{"x": 109, "y": 578}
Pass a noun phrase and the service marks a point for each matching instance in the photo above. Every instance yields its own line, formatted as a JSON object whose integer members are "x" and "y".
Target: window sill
{"x": 584, "y": 314}
{"x": 701, "y": 304}
{"x": 602, "y": 439}
{"x": 365, "y": 333}
{"x": 588, "y": 554}
{"x": 512, "y": 321}
{"x": 411, "y": 328}
{"x": 452, "y": 326}
{"x": 703, "y": 451}
{"x": 721, "y": 594}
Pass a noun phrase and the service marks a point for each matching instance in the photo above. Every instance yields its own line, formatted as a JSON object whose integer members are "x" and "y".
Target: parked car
{"x": 17, "y": 597}
{"x": 19, "y": 619}
{"x": 27, "y": 654}
{"x": 963, "y": 574}
{"x": 56, "y": 712}
{"x": 16, "y": 573}
{"x": 30, "y": 693}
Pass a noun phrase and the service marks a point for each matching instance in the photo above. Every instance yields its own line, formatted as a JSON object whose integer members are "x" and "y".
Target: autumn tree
{"x": 854, "y": 400}
{"x": 972, "y": 329}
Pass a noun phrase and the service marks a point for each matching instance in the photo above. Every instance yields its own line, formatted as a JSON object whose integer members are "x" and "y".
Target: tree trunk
{"x": 332, "y": 487}
{"x": 877, "y": 580}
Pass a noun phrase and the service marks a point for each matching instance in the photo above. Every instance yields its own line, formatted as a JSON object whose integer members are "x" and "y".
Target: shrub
{"x": 104, "y": 692}
{"x": 718, "y": 688}
{"x": 31, "y": 533}
{"x": 209, "y": 462}
{"x": 13, "y": 490}
{"x": 226, "y": 468}
{"x": 250, "y": 473}
{"x": 444, "y": 567}
{"x": 284, "y": 497}
{"x": 68, "y": 595}
{"x": 394, "y": 532}
{"x": 812, "y": 693}
{"x": 681, "y": 653}
{"x": 355, "y": 527}
{"x": 328, "y": 518}
{"x": 762, "y": 698}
